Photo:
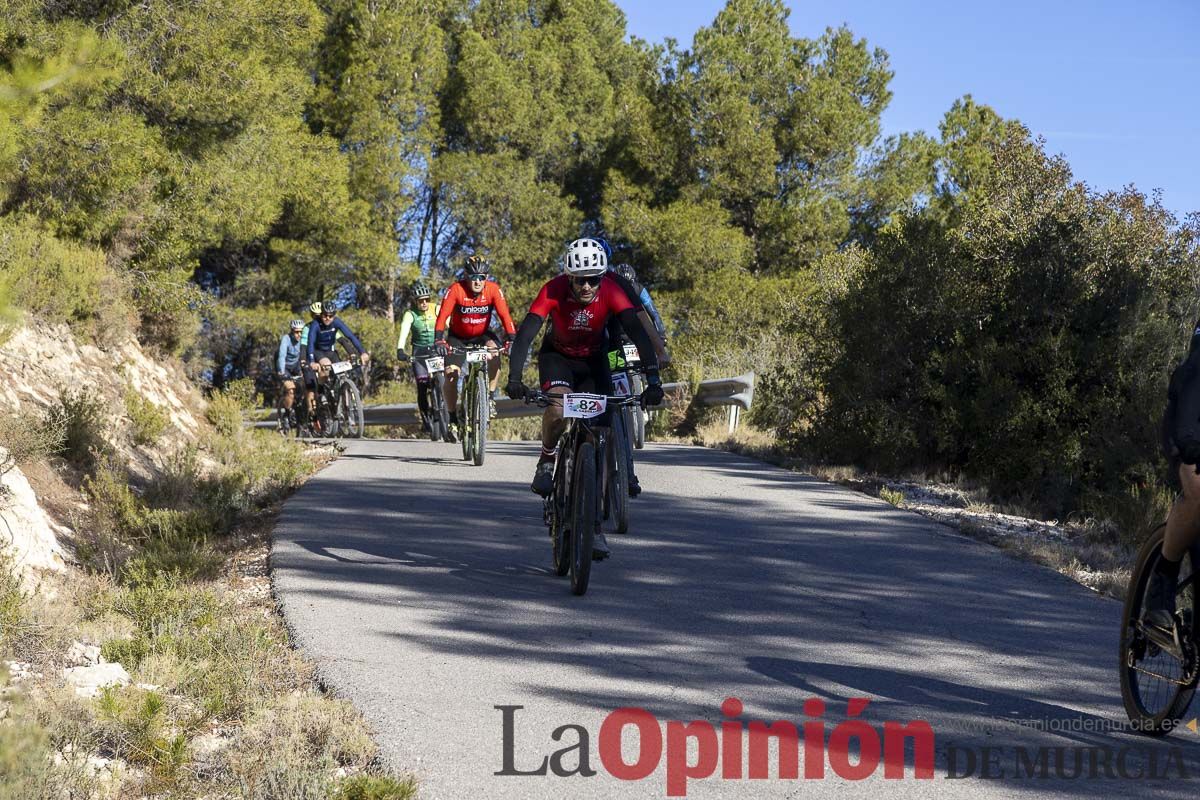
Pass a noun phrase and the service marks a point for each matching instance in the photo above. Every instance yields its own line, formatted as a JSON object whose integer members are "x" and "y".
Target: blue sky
{"x": 1113, "y": 86}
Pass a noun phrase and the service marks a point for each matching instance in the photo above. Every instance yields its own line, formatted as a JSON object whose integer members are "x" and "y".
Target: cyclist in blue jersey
{"x": 324, "y": 333}
{"x": 287, "y": 364}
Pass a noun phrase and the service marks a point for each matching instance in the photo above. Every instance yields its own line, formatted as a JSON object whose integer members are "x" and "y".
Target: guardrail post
{"x": 734, "y": 413}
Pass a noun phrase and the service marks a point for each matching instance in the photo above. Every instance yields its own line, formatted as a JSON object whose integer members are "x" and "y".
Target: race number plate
{"x": 620, "y": 382}
{"x": 435, "y": 364}
{"x": 342, "y": 366}
{"x": 474, "y": 356}
{"x": 584, "y": 406}
{"x": 631, "y": 354}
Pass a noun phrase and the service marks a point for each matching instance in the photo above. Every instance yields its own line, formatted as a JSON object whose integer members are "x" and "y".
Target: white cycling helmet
{"x": 585, "y": 257}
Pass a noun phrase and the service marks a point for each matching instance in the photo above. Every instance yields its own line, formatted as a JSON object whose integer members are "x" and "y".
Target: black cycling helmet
{"x": 476, "y": 265}
{"x": 420, "y": 291}
{"x": 329, "y": 308}
{"x": 627, "y": 272}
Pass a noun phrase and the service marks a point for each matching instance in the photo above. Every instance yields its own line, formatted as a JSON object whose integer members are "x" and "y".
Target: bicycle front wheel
{"x": 327, "y": 410}
{"x": 583, "y": 516}
{"x": 466, "y": 419}
{"x": 350, "y": 411}
{"x": 439, "y": 424}
{"x": 556, "y": 511}
{"x": 480, "y": 412}
{"x": 1157, "y": 679}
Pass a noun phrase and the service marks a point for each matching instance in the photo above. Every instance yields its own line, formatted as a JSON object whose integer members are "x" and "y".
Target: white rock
{"x": 25, "y": 530}
{"x": 83, "y": 655}
{"x": 88, "y": 681}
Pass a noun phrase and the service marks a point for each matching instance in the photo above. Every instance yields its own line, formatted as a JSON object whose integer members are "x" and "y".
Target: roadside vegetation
{"x": 172, "y": 586}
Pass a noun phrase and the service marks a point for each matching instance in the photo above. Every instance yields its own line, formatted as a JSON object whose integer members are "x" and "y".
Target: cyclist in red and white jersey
{"x": 574, "y": 356}
{"x": 463, "y": 320}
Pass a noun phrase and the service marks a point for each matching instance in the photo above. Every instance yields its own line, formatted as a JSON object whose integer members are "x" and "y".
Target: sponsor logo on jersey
{"x": 581, "y": 320}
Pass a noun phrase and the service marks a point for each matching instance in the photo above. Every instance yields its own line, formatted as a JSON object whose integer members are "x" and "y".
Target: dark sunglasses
{"x": 328, "y": 315}
{"x": 587, "y": 280}
{"x": 477, "y": 277}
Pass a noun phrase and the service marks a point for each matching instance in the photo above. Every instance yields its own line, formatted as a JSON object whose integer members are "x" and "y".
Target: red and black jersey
{"x": 578, "y": 330}
{"x": 469, "y": 316}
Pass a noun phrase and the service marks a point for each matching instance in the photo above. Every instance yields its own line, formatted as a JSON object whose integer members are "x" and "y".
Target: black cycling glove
{"x": 401, "y": 355}
{"x": 516, "y": 389}
{"x": 652, "y": 395}
{"x": 1189, "y": 451}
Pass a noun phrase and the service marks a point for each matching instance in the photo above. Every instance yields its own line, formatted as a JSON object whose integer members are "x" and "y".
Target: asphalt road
{"x": 422, "y": 588}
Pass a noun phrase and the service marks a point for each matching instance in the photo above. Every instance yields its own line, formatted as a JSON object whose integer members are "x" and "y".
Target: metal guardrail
{"x": 737, "y": 393}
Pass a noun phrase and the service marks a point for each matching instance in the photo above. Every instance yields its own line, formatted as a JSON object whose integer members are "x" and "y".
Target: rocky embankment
{"x": 41, "y": 364}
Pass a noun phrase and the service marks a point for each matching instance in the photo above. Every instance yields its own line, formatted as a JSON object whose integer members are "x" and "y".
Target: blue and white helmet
{"x": 585, "y": 257}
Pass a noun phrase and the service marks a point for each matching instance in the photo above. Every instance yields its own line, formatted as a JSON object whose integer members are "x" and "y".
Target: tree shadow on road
{"x": 739, "y": 580}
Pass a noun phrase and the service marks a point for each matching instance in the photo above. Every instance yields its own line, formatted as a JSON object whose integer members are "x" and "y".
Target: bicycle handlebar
{"x": 540, "y": 398}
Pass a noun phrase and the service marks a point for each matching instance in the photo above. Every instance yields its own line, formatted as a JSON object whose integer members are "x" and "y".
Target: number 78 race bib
{"x": 584, "y": 406}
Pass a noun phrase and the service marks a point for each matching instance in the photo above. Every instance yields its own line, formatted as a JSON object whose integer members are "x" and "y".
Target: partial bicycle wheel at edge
{"x": 480, "y": 410}
{"x": 583, "y": 516}
{"x": 1153, "y": 682}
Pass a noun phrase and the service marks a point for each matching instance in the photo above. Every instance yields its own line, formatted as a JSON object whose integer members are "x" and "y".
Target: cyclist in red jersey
{"x": 464, "y": 319}
{"x": 574, "y": 354}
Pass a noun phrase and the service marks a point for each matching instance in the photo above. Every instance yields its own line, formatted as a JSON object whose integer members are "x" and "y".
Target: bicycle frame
{"x": 555, "y": 510}
{"x": 474, "y": 409}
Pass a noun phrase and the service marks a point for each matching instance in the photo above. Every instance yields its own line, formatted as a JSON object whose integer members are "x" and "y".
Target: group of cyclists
{"x": 593, "y": 306}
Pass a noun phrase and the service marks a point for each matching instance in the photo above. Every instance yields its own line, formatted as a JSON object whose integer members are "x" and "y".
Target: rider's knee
{"x": 1190, "y": 483}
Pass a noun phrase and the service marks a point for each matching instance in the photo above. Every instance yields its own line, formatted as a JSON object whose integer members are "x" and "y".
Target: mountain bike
{"x": 438, "y": 416}
{"x": 339, "y": 403}
{"x": 474, "y": 407}
{"x": 1159, "y": 668}
{"x": 572, "y": 511}
{"x": 626, "y": 361}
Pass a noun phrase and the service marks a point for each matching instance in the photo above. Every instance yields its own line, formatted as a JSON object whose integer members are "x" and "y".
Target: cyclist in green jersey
{"x": 418, "y": 322}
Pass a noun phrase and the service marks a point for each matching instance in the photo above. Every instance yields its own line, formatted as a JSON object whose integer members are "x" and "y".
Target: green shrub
{"x": 225, "y": 413}
{"x": 29, "y": 436}
{"x": 14, "y": 625}
{"x": 892, "y": 496}
{"x": 146, "y": 420}
{"x": 265, "y": 464}
{"x": 56, "y": 280}
{"x": 133, "y": 542}
{"x": 169, "y": 306}
{"x": 134, "y": 725}
{"x": 242, "y": 392}
{"x": 82, "y": 417}
{"x": 376, "y": 787}
{"x": 26, "y": 767}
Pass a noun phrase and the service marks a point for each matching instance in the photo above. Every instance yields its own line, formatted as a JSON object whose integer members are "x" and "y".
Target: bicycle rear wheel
{"x": 480, "y": 412}
{"x": 638, "y": 417}
{"x": 1157, "y": 682}
{"x": 583, "y": 516}
{"x": 618, "y": 476}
